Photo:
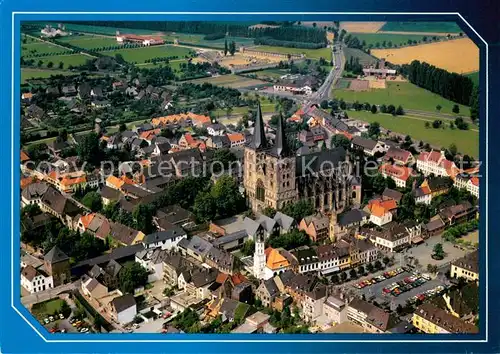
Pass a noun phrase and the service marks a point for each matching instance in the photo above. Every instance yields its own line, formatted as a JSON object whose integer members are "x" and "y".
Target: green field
{"x": 269, "y": 74}
{"x": 97, "y": 29}
{"x": 400, "y": 93}
{"x": 377, "y": 39}
{"x": 325, "y": 53}
{"x": 139, "y": 55}
{"x": 197, "y": 39}
{"x": 89, "y": 41}
{"x": 232, "y": 81}
{"x": 467, "y": 141}
{"x": 27, "y": 73}
{"x": 47, "y": 308}
{"x": 474, "y": 77}
{"x": 364, "y": 59}
{"x": 437, "y": 27}
{"x": 38, "y": 47}
{"x": 72, "y": 59}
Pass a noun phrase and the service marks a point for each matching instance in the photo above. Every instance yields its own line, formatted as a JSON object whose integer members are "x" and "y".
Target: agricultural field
{"x": 400, "y": 93}
{"x": 362, "y": 27}
{"x": 364, "y": 58}
{"x": 110, "y": 31}
{"x": 140, "y": 55}
{"x": 28, "y": 73}
{"x": 458, "y": 55}
{"x": 430, "y": 27}
{"x": 467, "y": 141}
{"x": 233, "y": 81}
{"x": 89, "y": 41}
{"x": 325, "y": 53}
{"x": 72, "y": 59}
{"x": 377, "y": 39}
{"x": 39, "y": 47}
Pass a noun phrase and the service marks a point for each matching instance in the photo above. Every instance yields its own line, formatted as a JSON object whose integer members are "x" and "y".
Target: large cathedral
{"x": 274, "y": 176}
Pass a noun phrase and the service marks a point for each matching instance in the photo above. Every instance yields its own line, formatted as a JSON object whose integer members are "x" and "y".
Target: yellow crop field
{"x": 361, "y": 27}
{"x": 457, "y": 55}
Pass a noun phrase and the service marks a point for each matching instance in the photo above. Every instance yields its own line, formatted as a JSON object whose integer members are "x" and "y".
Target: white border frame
{"x": 485, "y": 183}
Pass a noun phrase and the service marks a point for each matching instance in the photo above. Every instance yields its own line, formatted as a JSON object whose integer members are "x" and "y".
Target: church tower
{"x": 259, "y": 257}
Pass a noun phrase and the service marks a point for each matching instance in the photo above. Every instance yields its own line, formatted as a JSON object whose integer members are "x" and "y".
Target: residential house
{"x": 434, "y": 227}
{"x": 392, "y": 238}
{"x": 123, "y": 309}
{"x": 56, "y": 264}
{"x": 343, "y": 224}
{"x": 196, "y": 247}
{"x": 197, "y": 283}
{"x": 435, "y": 162}
{"x": 468, "y": 182}
{"x": 372, "y": 318}
{"x": 306, "y": 260}
{"x": 216, "y": 129}
{"x": 267, "y": 292}
{"x": 173, "y": 265}
{"x": 312, "y": 307}
{"x": 220, "y": 259}
{"x": 152, "y": 260}
{"x": 218, "y": 142}
{"x": 381, "y": 211}
{"x": 69, "y": 90}
{"x": 399, "y": 156}
{"x": 84, "y": 90}
{"x": 56, "y": 204}
{"x": 92, "y": 288}
{"x": 392, "y": 194}
{"x": 256, "y": 323}
{"x": 109, "y": 195}
{"x": 316, "y": 227}
{"x": 107, "y": 273}
{"x": 466, "y": 267}
{"x": 335, "y": 310}
{"x": 35, "y": 280}
{"x": 398, "y": 173}
{"x": 33, "y": 193}
{"x": 285, "y": 222}
{"x": 430, "y": 319}
{"x": 368, "y": 146}
{"x": 457, "y": 214}
{"x": 236, "y": 139}
{"x": 329, "y": 259}
{"x": 187, "y": 141}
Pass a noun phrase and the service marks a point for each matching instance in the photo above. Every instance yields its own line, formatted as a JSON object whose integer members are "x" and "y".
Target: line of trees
{"x": 451, "y": 86}
{"x": 214, "y": 36}
{"x": 285, "y": 33}
{"x": 289, "y": 44}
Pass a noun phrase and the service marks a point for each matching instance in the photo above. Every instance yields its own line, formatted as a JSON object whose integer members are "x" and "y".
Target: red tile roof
{"x": 398, "y": 172}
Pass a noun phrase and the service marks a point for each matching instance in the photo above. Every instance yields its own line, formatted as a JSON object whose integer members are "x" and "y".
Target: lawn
{"x": 110, "y": 31}
{"x": 197, "y": 39}
{"x": 395, "y": 39}
{"x": 47, "y": 308}
{"x": 437, "y": 27}
{"x": 268, "y": 74}
{"x": 401, "y": 93}
{"x": 38, "y": 47}
{"x": 27, "y": 74}
{"x": 89, "y": 41}
{"x": 467, "y": 141}
{"x": 474, "y": 77}
{"x": 325, "y": 53}
{"x": 233, "y": 81}
{"x": 139, "y": 55}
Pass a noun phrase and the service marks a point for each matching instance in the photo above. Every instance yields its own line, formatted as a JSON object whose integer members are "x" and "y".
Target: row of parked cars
{"x": 426, "y": 295}
{"x": 379, "y": 278}
{"x": 81, "y": 326}
{"x": 408, "y": 283}
{"x": 53, "y": 318}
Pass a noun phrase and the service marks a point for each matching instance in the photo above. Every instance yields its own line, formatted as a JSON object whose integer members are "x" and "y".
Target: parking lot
{"x": 376, "y": 290}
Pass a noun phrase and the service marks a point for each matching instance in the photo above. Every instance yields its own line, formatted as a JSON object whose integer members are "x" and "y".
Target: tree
{"x": 369, "y": 267}
{"x": 383, "y": 108}
{"x": 98, "y": 323}
{"x": 61, "y": 65}
{"x": 374, "y": 109}
{"x": 93, "y": 201}
{"x": 361, "y": 270}
{"x": 352, "y": 274}
{"x": 456, "y": 109}
{"x": 378, "y": 265}
{"x": 391, "y": 109}
{"x": 123, "y": 127}
{"x": 89, "y": 150}
{"x": 131, "y": 277}
{"x": 386, "y": 260}
{"x": 324, "y": 104}
{"x": 248, "y": 248}
{"x": 269, "y": 212}
{"x": 339, "y": 140}
{"x": 143, "y": 216}
{"x": 50, "y": 64}
{"x": 474, "y": 104}
{"x": 290, "y": 240}
{"x": 343, "y": 276}
{"x": 374, "y": 129}
{"x": 400, "y": 111}
{"x": 453, "y": 150}
{"x": 427, "y": 125}
{"x": 438, "y": 108}
{"x": 204, "y": 207}
{"x": 299, "y": 209}
{"x": 228, "y": 199}
{"x": 232, "y": 48}
{"x": 225, "y": 47}
{"x": 438, "y": 252}
{"x": 379, "y": 183}
{"x": 335, "y": 279}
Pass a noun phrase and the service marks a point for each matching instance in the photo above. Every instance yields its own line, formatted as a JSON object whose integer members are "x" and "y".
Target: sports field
{"x": 140, "y": 55}
{"x": 391, "y": 40}
{"x": 233, "y": 81}
{"x": 400, "y": 93}
{"x": 325, "y": 53}
{"x": 437, "y": 27}
{"x": 457, "y": 55}
{"x": 467, "y": 141}
{"x": 89, "y": 41}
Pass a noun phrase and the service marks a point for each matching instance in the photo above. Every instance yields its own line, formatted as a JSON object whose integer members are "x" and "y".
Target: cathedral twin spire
{"x": 260, "y": 142}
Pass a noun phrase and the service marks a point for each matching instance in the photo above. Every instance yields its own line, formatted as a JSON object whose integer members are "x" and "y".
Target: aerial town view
{"x": 249, "y": 177}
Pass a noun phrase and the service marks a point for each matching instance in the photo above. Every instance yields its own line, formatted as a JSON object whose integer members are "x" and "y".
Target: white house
{"x": 35, "y": 280}
{"x": 123, "y": 309}
{"x": 392, "y": 240}
{"x": 435, "y": 162}
{"x": 399, "y": 174}
{"x": 370, "y": 147}
{"x": 216, "y": 129}
{"x": 380, "y": 216}
{"x": 152, "y": 261}
{"x": 335, "y": 310}
{"x": 312, "y": 306}
{"x": 236, "y": 139}
{"x": 166, "y": 240}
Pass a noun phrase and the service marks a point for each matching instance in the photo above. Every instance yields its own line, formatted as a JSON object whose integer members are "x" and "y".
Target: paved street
{"x": 48, "y": 294}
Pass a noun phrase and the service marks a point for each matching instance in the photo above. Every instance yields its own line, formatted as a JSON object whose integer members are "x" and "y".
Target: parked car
{"x": 84, "y": 329}
{"x": 46, "y": 320}
{"x": 51, "y": 318}
{"x": 61, "y": 316}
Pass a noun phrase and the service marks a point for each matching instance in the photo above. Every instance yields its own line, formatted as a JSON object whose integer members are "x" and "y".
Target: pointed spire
{"x": 259, "y": 135}
{"x": 280, "y": 145}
